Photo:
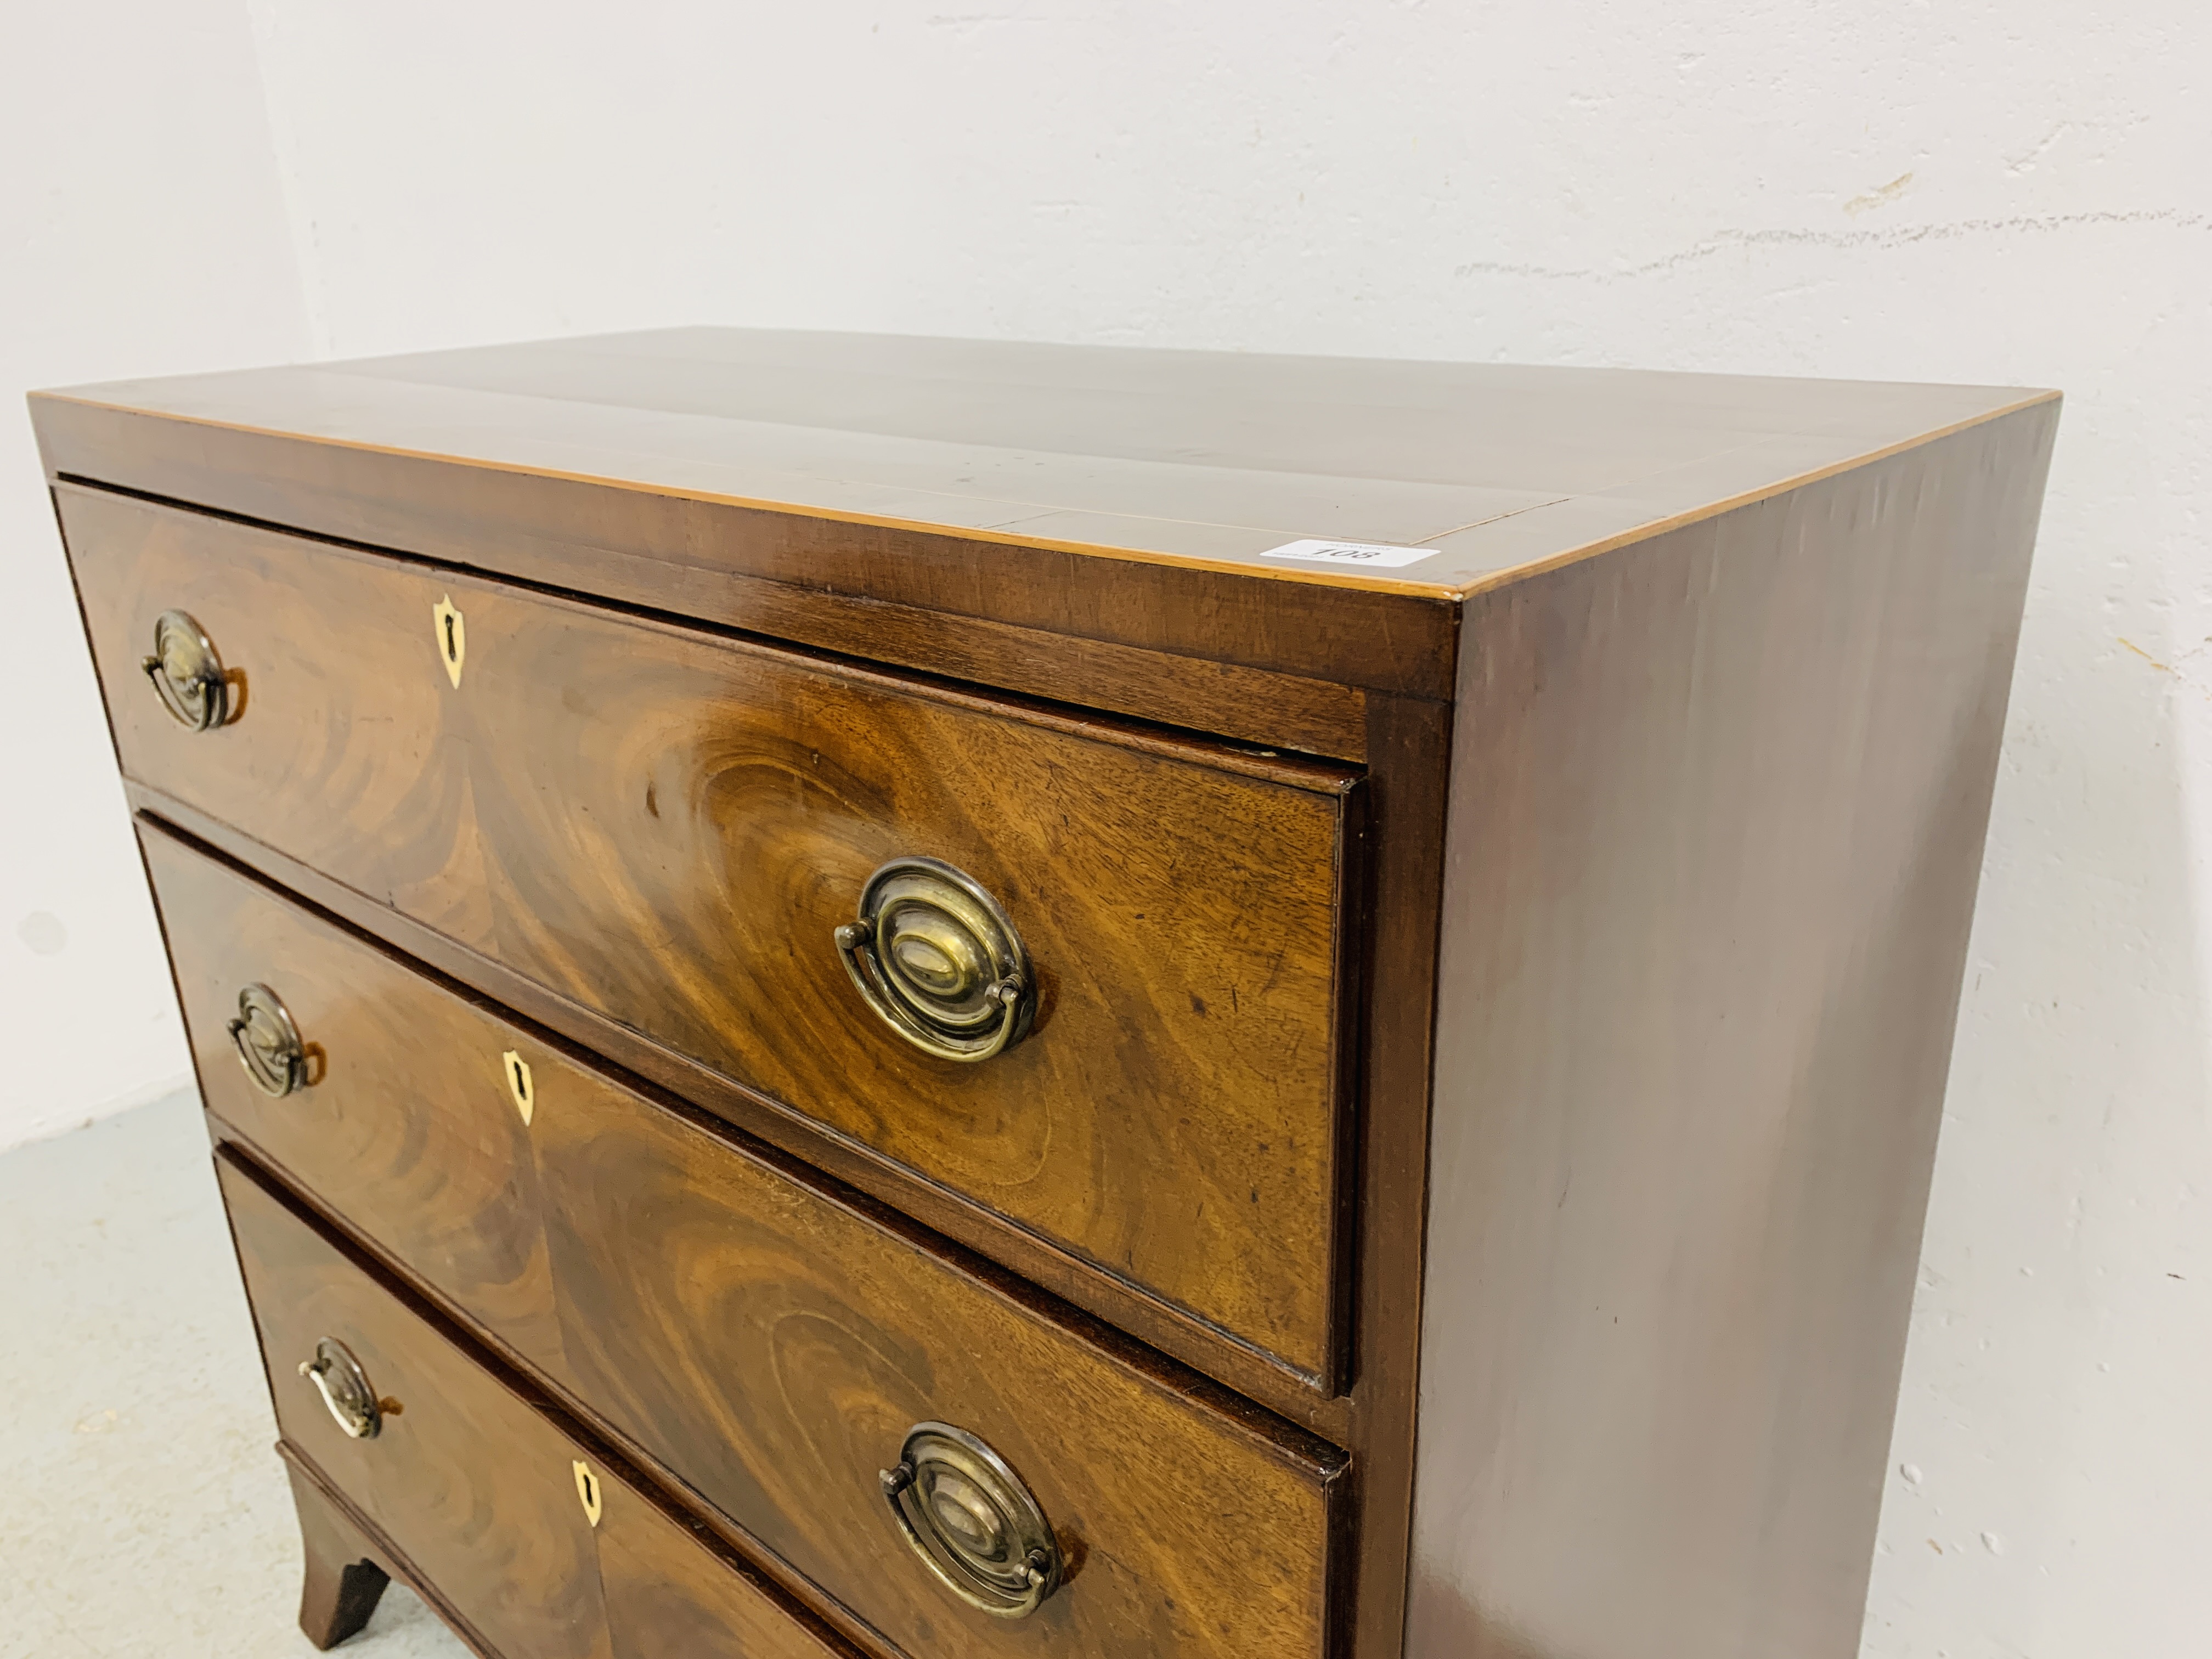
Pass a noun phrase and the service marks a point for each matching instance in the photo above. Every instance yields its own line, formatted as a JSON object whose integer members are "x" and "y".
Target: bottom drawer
{"x": 536, "y": 1548}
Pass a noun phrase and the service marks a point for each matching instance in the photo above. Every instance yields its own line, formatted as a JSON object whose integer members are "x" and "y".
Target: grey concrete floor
{"x": 144, "y": 1515}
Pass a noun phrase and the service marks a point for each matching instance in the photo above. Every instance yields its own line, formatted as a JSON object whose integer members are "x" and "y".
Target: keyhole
{"x": 518, "y": 1084}
{"x": 452, "y": 643}
{"x": 587, "y": 1490}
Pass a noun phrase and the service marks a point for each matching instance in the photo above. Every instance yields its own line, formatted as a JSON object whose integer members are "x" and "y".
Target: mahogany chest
{"x": 896, "y": 997}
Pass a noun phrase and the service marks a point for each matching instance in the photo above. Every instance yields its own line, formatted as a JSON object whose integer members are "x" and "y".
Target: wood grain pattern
{"x": 1410, "y": 742}
{"x": 756, "y": 1337}
{"x": 406, "y": 1127}
{"x": 1717, "y": 817}
{"x": 665, "y": 827}
{"x": 772, "y": 1345}
{"x": 1194, "y": 462}
{"x": 550, "y": 1018}
{"x": 674, "y": 1592}
{"x": 470, "y": 1482}
{"x": 1271, "y": 709}
{"x": 818, "y": 581}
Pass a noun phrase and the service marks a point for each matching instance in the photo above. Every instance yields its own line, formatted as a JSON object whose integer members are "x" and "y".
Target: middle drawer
{"x": 772, "y": 1344}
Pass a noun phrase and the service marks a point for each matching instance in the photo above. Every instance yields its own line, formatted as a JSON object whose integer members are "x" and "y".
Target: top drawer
{"x": 667, "y": 828}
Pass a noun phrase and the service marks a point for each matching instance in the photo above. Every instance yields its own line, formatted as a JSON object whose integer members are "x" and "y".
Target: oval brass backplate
{"x": 973, "y": 1523}
{"x": 344, "y": 1387}
{"x": 187, "y": 673}
{"x": 939, "y": 960}
{"x": 268, "y": 1042}
{"x": 587, "y": 1490}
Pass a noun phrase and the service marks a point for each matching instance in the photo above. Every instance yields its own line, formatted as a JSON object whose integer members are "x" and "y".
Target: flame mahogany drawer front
{"x": 890, "y": 946}
{"x": 668, "y": 829}
{"x": 401, "y": 1115}
{"x": 463, "y": 1478}
{"x": 769, "y": 1344}
{"x": 417, "y": 1459}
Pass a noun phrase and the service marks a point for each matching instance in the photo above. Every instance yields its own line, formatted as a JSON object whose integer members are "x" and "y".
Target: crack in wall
{"x": 1902, "y": 236}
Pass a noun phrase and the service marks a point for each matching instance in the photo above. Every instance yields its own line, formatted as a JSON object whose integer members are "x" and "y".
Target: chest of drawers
{"x": 857, "y": 997}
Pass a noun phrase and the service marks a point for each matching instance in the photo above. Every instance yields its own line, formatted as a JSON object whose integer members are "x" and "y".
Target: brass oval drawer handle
{"x": 972, "y": 1522}
{"x": 344, "y": 1385}
{"x": 187, "y": 673}
{"x": 939, "y": 962}
{"x": 268, "y": 1042}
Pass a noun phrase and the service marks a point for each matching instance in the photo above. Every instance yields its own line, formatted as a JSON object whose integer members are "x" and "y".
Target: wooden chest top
{"x": 1032, "y": 474}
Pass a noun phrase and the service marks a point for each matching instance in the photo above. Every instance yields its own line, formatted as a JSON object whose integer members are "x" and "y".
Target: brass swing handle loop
{"x": 970, "y": 1520}
{"x": 268, "y": 1042}
{"x": 938, "y": 961}
{"x": 187, "y": 672}
{"x": 347, "y": 1395}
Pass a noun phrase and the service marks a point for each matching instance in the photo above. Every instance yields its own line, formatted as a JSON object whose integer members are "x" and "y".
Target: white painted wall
{"x": 141, "y": 231}
{"x": 1971, "y": 191}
